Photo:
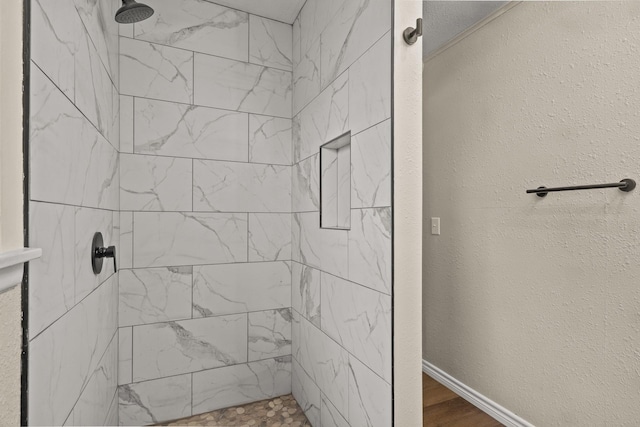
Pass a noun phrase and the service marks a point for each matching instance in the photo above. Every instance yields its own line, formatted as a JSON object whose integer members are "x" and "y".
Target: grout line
{"x": 132, "y": 342}
{"x": 322, "y": 89}
{"x": 196, "y": 52}
{"x": 31, "y": 339}
{"x": 245, "y": 263}
{"x": 215, "y": 316}
{"x": 89, "y": 376}
{"x": 209, "y": 369}
{"x": 204, "y": 159}
{"x": 350, "y": 354}
{"x": 73, "y": 103}
{"x": 248, "y": 235}
{"x": 171, "y": 101}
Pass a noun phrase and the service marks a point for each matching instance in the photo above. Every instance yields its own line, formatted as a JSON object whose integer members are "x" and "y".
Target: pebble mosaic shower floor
{"x": 280, "y": 412}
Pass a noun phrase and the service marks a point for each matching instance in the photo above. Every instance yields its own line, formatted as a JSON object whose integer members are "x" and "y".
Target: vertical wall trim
{"x": 407, "y": 214}
{"x": 393, "y": 216}
{"x": 26, "y": 84}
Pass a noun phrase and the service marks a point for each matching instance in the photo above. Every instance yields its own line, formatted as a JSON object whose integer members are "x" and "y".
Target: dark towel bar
{"x": 625, "y": 185}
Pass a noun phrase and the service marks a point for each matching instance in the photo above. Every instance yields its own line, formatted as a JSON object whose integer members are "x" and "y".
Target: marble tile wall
{"x": 191, "y": 141}
{"x": 341, "y": 279}
{"x": 206, "y": 98}
{"x": 74, "y": 192}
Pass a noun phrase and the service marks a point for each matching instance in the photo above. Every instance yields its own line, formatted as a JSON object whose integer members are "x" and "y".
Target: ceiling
{"x": 280, "y": 10}
{"x": 444, "y": 20}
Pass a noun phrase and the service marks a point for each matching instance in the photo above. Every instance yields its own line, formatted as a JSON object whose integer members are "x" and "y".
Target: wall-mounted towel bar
{"x": 625, "y": 185}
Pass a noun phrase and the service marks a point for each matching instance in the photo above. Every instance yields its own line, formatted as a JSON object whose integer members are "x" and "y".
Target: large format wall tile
{"x": 167, "y": 238}
{"x": 370, "y": 248}
{"x": 63, "y": 358}
{"x": 97, "y": 16}
{"x": 239, "y": 86}
{"x": 320, "y": 248}
{"x": 306, "y": 77}
{"x": 306, "y": 393}
{"x": 342, "y": 83}
{"x": 349, "y": 34}
{"x": 125, "y": 250}
{"x": 370, "y": 400}
{"x": 155, "y": 295}
{"x": 305, "y": 189}
{"x": 52, "y": 276}
{"x": 270, "y": 140}
{"x": 296, "y": 30}
{"x": 324, "y": 119}
{"x": 155, "y": 401}
{"x": 151, "y": 183}
{"x": 359, "y": 319}
{"x": 125, "y": 355}
{"x": 170, "y": 129}
{"x": 198, "y": 26}
{"x": 271, "y": 43}
{"x": 71, "y": 162}
{"x": 370, "y": 87}
{"x": 269, "y": 334}
{"x": 326, "y": 363}
{"x": 154, "y": 71}
{"x": 94, "y": 89}
{"x": 173, "y": 348}
{"x": 314, "y": 18}
{"x": 112, "y": 416}
{"x": 241, "y": 187}
{"x": 269, "y": 237}
{"x": 56, "y": 36}
{"x": 236, "y": 385}
{"x": 241, "y": 288}
{"x": 371, "y": 167}
{"x": 94, "y": 403}
{"x": 126, "y": 124}
{"x": 305, "y": 292}
{"x": 330, "y": 416}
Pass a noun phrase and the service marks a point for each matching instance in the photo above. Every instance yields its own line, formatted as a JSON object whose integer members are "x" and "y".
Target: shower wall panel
{"x": 341, "y": 282}
{"x": 205, "y": 294}
{"x": 74, "y": 192}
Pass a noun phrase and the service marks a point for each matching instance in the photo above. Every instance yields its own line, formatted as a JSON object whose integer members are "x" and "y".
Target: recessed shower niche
{"x": 335, "y": 183}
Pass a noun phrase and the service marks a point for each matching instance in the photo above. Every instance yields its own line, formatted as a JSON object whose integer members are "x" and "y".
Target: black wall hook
{"x": 99, "y": 252}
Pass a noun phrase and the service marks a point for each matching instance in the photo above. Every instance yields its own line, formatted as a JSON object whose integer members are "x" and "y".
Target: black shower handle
{"x": 99, "y": 252}
{"x": 109, "y": 252}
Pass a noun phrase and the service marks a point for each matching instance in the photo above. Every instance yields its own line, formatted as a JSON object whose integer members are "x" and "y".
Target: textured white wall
{"x": 10, "y": 202}
{"x": 407, "y": 212}
{"x": 444, "y": 20}
{"x": 10, "y": 335}
{"x": 535, "y": 302}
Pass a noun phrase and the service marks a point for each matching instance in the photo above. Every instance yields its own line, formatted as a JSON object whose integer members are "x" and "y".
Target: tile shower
{"x": 191, "y": 141}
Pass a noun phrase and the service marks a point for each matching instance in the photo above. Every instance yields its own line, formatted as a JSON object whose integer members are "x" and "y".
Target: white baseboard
{"x": 483, "y": 403}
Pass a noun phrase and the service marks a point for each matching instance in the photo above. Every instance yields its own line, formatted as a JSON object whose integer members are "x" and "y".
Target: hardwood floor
{"x": 444, "y": 408}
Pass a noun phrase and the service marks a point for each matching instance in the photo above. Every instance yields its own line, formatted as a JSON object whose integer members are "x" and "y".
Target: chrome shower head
{"x": 132, "y": 12}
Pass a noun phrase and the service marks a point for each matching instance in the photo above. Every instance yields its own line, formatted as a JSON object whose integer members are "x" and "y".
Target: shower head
{"x": 131, "y": 12}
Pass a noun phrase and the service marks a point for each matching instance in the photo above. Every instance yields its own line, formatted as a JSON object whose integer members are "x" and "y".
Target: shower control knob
{"x": 99, "y": 252}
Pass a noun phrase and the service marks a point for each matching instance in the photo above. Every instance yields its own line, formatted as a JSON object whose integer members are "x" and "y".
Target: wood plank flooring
{"x": 444, "y": 408}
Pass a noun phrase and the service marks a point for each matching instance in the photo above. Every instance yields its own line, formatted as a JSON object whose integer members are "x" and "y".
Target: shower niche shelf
{"x": 335, "y": 183}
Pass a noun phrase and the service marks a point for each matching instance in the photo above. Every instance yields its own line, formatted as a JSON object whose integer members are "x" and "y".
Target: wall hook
{"x": 411, "y": 34}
